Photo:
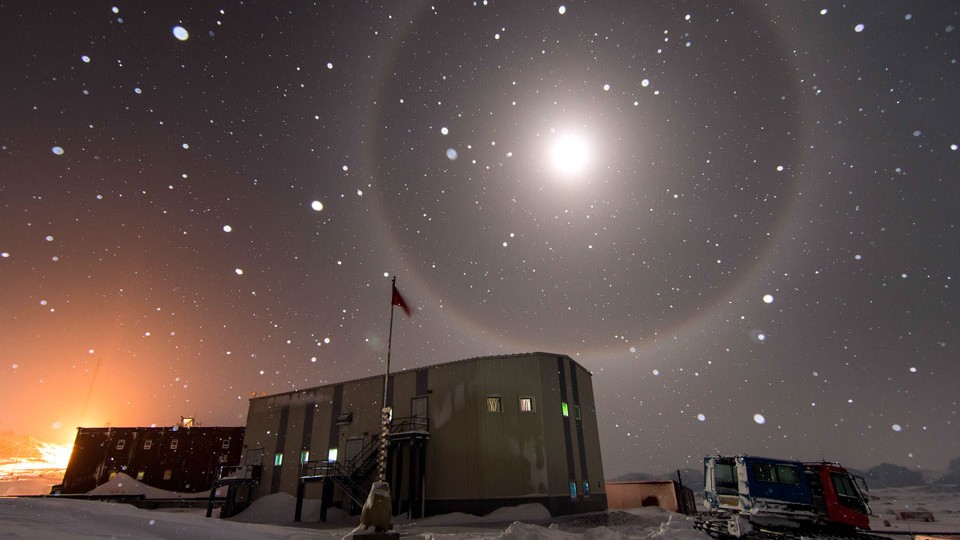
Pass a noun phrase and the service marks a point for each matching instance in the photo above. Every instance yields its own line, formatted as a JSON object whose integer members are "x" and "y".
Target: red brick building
{"x": 182, "y": 458}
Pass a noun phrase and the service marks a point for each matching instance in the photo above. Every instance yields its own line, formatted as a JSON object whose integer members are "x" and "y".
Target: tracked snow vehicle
{"x": 752, "y": 497}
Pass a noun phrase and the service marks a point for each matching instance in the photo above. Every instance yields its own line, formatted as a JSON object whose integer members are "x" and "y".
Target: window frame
{"x": 533, "y": 404}
{"x": 174, "y": 444}
{"x": 121, "y": 444}
{"x": 148, "y": 444}
{"x": 494, "y": 398}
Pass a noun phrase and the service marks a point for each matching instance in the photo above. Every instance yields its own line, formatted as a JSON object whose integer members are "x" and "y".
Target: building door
{"x": 418, "y": 412}
{"x": 352, "y": 448}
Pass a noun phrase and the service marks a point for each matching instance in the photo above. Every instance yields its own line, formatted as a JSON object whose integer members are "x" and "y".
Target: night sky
{"x": 741, "y": 217}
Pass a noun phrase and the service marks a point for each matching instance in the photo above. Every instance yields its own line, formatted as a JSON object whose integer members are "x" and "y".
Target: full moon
{"x": 569, "y": 153}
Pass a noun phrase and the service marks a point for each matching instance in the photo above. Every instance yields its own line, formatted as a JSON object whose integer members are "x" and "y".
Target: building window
{"x": 493, "y": 404}
{"x": 147, "y": 444}
{"x": 174, "y": 443}
{"x": 225, "y": 444}
{"x": 573, "y": 490}
{"x": 113, "y": 474}
{"x": 167, "y": 474}
{"x": 304, "y": 456}
{"x": 776, "y": 473}
{"x": 140, "y": 475}
{"x": 121, "y": 443}
{"x": 278, "y": 459}
{"x": 526, "y": 404}
{"x": 576, "y": 412}
{"x": 564, "y": 409}
{"x": 332, "y": 455}
{"x": 586, "y": 490}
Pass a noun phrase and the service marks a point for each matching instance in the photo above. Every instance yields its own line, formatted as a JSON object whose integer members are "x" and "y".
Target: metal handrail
{"x": 248, "y": 471}
{"x": 367, "y": 452}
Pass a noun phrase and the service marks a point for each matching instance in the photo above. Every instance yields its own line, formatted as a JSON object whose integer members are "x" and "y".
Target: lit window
{"x": 586, "y": 489}
{"x": 332, "y": 454}
{"x": 304, "y": 456}
{"x": 174, "y": 443}
{"x": 576, "y": 412}
{"x": 140, "y": 475}
{"x": 113, "y": 474}
{"x": 167, "y": 474}
{"x": 225, "y": 443}
{"x": 278, "y": 459}
{"x": 493, "y": 404}
{"x": 121, "y": 443}
{"x": 573, "y": 490}
{"x": 526, "y": 404}
{"x": 147, "y": 444}
{"x": 564, "y": 409}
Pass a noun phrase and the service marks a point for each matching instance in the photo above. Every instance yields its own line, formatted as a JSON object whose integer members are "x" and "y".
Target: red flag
{"x": 399, "y": 301}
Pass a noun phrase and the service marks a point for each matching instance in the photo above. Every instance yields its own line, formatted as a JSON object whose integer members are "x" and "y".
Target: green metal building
{"x": 469, "y": 436}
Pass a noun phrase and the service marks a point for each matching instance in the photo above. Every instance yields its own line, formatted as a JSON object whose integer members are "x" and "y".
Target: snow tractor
{"x": 755, "y": 497}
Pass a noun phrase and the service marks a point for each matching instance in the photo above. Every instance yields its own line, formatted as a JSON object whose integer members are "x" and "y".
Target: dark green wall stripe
{"x": 567, "y": 439}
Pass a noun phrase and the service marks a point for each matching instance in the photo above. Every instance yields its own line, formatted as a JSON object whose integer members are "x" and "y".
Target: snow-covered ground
{"x": 271, "y": 518}
{"x": 943, "y": 503}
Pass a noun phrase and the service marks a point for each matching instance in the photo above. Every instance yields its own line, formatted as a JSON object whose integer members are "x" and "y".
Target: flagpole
{"x": 385, "y": 412}
{"x": 386, "y": 376}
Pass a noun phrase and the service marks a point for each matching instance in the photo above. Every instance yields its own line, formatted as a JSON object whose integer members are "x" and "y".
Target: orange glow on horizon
{"x": 56, "y": 455}
{"x": 46, "y": 458}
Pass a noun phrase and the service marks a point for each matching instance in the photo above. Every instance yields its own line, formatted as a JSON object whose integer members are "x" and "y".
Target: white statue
{"x": 377, "y": 510}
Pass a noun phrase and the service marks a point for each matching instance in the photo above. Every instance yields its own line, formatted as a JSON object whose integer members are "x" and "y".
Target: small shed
{"x": 666, "y": 494}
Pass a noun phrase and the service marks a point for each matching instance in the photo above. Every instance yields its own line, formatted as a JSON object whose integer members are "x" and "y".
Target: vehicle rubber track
{"x": 718, "y": 529}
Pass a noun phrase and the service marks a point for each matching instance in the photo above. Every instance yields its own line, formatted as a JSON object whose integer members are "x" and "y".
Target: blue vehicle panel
{"x": 777, "y": 480}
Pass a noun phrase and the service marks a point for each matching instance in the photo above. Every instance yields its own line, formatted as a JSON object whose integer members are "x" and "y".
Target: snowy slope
{"x": 271, "y": 518}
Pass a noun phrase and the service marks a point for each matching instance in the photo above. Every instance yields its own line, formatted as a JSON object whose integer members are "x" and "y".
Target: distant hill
{"x": 15, "y": 447}
{"x": 888, "y": 475}
{"x": 952, "y": 475}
